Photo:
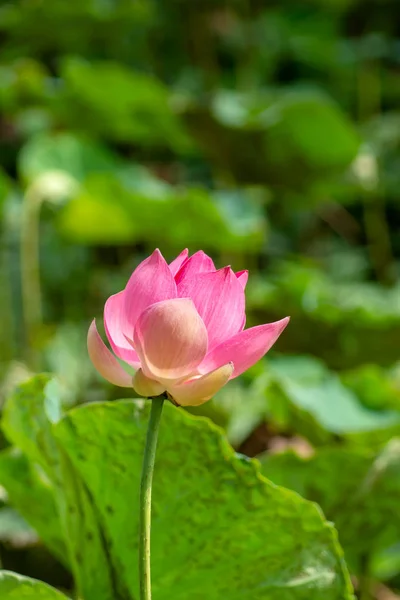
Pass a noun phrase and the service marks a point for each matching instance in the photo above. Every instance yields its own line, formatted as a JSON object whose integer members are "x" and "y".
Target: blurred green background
{"x": 266, "y": 134}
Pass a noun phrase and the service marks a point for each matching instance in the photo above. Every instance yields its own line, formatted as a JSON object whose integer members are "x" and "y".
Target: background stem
{"x": 145, "y": 498}
{"x": 30, "y": 275}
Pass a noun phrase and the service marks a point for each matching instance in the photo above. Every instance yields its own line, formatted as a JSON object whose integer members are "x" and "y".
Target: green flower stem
{"x": 30, "y": 277}
{"x": 145, "y": 498}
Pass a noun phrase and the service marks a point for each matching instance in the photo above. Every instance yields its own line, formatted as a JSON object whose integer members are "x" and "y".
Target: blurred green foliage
{"x": 358, "y": 489}
{"x": 267, "y": 134}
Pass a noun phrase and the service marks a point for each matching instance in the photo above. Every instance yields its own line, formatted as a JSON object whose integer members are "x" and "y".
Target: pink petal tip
{"x": 104, "y": 361}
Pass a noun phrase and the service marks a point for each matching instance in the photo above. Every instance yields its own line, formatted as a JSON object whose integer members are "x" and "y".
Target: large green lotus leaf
{"x": 16, "y": 587}
{"x": 219, "y": 528}
{"x": 28, "y": 419}
{"x": 358, "y": 489}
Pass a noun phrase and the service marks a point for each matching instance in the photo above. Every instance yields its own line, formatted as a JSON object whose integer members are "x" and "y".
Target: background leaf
{"x": 357, "y": 488}
{"x": 16, "y": 587}
{"x": 18, "y": 475}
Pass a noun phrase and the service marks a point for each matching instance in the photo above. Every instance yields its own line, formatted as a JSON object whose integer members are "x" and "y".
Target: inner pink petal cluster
{"x": 181, "y": 327}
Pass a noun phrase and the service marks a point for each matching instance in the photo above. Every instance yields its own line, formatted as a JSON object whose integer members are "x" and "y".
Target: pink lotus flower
{"x": 181, "y": 326}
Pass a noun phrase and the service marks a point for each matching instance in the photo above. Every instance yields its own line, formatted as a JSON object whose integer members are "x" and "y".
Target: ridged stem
{"x": 145, "y": 498}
